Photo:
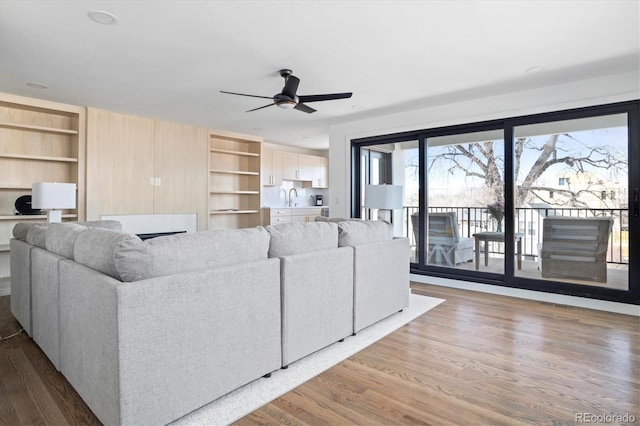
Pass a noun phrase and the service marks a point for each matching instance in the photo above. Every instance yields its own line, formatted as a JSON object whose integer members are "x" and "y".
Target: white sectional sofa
{"x": 147, "y": 331}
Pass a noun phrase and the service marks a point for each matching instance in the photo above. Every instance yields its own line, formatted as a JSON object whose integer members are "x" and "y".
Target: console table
{"x": 488, "y": 237}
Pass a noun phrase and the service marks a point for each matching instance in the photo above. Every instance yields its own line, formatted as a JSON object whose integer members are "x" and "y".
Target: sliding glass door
{"x": 548, "y": 202}
{"x": 464, "y": 201}
{"x": 572, "y": 200}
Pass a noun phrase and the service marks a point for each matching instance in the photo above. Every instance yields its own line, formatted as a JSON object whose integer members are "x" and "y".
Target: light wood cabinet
{"x": 181, "y": 164}
{"x": 278, "y": 215}
{"x": 40, "y": 141}
{"x": 305, "y": 214}
{"x": 234, "y": 180}
{"x": 290, "y": 167}
{"x": 314, "y": 169}
{"x": 301, "y": 167}
{"x": 138, "y": 165}
{"x": 271, "y": 167}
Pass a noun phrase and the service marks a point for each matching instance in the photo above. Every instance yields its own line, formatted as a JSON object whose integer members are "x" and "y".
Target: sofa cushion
{"x": 173, "y": 254}
{"x": 95, "y": 247}
{"x": 356, "y": 233}
{"x": 61, "y": 237}
{"x": 105, "y": 224}
{"x": 21, "y": 229}
{"x": 298, "y": 238}
{"x": 335, "y": 219}
{"x": 36, "y": 235}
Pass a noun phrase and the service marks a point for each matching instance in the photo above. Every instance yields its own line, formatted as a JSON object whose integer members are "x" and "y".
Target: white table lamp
{"x": 53, "y": 197}
{"x": 384, "y": 198}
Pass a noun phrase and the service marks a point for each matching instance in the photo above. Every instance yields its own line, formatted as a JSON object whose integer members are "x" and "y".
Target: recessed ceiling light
{"x": 102, "y": 17}
{"x": 34, "y": 85}
{"x": 534, "y": 70}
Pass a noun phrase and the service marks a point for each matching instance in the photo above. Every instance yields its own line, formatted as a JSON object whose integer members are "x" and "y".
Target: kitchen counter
{"x": 276, "y": 215}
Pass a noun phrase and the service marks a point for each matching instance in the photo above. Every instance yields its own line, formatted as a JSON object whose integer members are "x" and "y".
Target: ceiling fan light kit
{"x": 288, "y": 98}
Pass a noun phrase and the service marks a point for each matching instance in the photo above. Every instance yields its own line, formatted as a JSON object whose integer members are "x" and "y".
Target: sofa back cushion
{"x": 21, "y": 229}
{"x": 36, "y": 235}
{"x": 302, "y": 237}
{"x": 61, "y": 238}
{"x": 173, "y": 254}
{"x": 105, "y": 224}
{"x": 95, "y": 248}
{"x": 356, "y": 233}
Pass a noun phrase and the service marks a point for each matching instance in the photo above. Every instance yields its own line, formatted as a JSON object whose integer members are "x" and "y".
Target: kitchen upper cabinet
{"x": 290, "y": 168}
{"x": 137, "y": 165}
{"x": 306, "y": 168}
{"x": 271, "y": 167}
{"x": 314, "y": 169}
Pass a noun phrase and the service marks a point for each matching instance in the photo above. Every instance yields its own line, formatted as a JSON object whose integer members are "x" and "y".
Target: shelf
{"x": 33, "y": 128}
{"x": 235, "y": 172}
{"x": 21, "y": 217}
{"x": 235, "y": 192}
{"x": 40, "y": 158}
{"x": 4, "y": 247}
{"x": 234, "y": 211}
{"x": 10, "y": 186}
{"x": 228, "y": 151}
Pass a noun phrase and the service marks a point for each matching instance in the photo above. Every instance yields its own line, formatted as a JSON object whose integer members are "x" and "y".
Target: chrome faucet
{"x": 294, "y": 190}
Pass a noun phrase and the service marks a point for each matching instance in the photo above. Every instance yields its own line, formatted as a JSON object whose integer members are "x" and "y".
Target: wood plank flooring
{"x": 475, "y": 359}
{"x": 478, "y": 359}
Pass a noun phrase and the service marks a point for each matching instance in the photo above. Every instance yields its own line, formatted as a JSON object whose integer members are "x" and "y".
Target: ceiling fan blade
{"x": 255, "y": 109}
{"x": 304, "y": 108}
{"x": 326, "y": 97}
{"x": 291, "y": 86}
{"x": 242, "y": 94}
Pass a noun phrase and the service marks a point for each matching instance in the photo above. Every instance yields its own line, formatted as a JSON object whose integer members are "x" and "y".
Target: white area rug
{"x": 254, "y": 395}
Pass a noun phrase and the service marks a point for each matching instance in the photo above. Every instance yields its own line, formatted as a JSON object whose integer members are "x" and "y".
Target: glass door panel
{"x": 465, "y": 202}
{"x": 571, "y": 198}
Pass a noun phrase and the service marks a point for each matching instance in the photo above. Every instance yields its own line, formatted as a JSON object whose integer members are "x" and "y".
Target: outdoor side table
{"x": 488, "y": 237}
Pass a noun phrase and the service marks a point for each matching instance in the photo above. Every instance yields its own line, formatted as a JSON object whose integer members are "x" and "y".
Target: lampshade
{"x": 387, "y": 197}
{"x": 45, "y": 195}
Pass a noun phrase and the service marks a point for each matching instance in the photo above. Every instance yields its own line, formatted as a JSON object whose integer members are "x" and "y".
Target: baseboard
{"x": 560, "y": 299}
{"x": 5, "y": 286}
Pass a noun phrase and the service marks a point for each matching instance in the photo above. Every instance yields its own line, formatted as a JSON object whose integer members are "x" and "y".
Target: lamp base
{"x": 384, "y": 214}
{"x": 54, "y": 216}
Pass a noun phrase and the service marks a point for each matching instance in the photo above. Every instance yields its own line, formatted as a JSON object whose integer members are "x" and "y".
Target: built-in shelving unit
{"x": 234, "y": 181}
{"x": 40, "y": 141}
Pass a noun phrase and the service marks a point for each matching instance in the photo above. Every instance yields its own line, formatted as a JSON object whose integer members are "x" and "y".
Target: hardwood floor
{"x": 478, "y": 359}
{"x": 475, "y": 359}
{"x": 31, "y": 390}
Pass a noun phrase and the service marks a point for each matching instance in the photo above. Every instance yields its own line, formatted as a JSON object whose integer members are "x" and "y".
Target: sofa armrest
{"x": 203, "y": 333}
{"x": 381, "y": 281}
{"x": 20, "y": 266}
{"x": 317, "y": 301}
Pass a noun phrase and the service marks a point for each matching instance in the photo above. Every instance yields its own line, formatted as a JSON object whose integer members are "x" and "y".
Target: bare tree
{"x": 480, "y": 160}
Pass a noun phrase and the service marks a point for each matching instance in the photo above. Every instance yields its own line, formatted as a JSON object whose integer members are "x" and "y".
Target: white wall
{"x": 597, "y": 91}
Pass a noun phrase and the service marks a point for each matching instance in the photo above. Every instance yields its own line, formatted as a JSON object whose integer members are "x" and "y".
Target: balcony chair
{"x": 446, "y": 246}
{"x": 575, "y": 248}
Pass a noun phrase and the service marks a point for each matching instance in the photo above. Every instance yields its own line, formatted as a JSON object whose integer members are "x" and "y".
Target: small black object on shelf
{"x": 23, "y": 206}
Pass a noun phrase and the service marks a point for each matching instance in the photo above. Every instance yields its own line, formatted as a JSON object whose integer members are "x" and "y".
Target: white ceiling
{"x": 170, "y": 59}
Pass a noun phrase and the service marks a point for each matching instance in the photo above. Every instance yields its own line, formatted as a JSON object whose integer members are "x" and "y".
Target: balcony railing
{"x": 529, "y": 223}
